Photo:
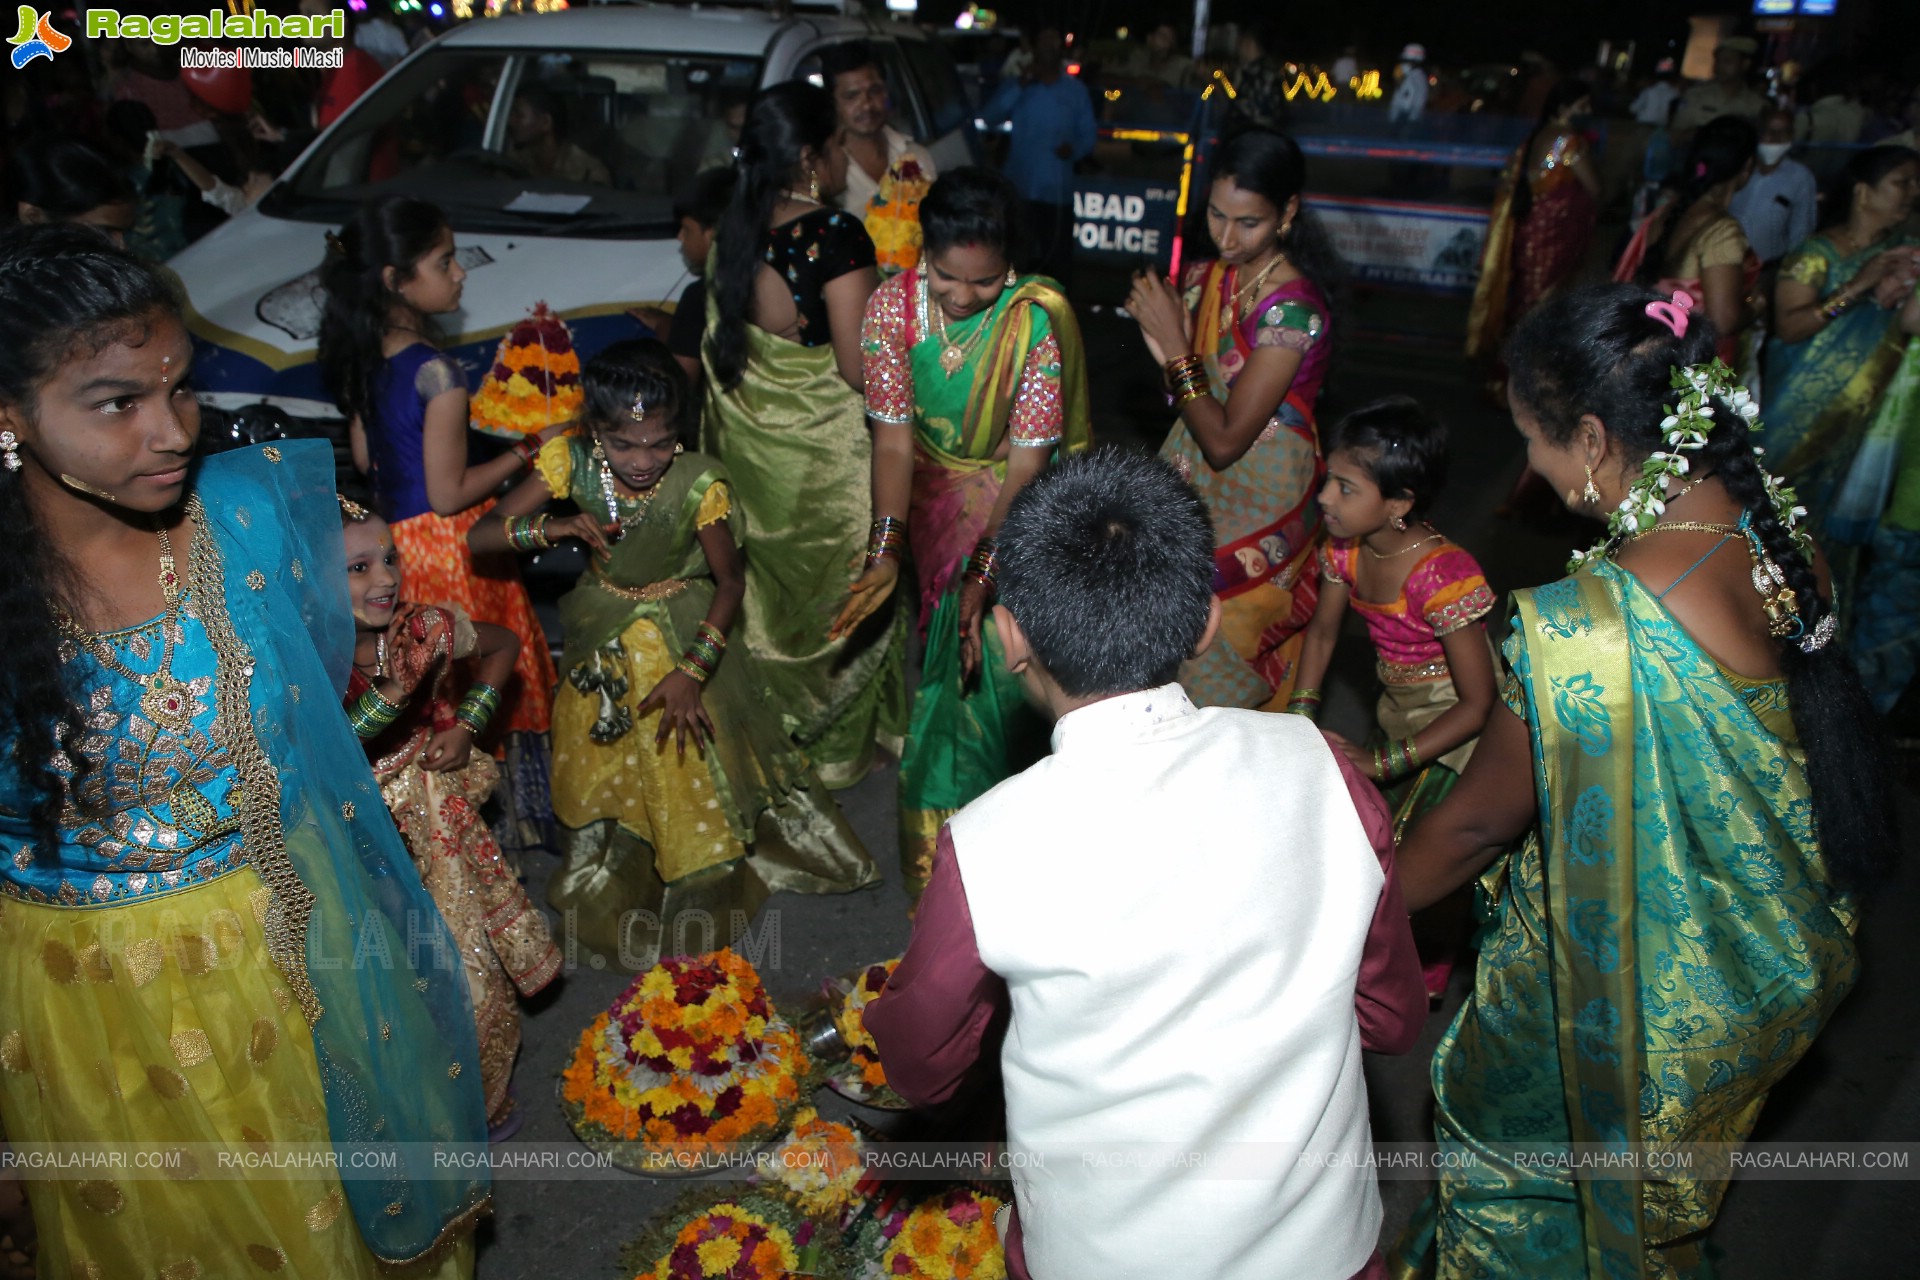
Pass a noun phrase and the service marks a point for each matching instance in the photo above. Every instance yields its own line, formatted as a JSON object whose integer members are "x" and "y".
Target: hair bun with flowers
{"x": 1686, "y": 428}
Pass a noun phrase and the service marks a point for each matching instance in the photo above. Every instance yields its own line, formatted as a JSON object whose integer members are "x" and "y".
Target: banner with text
{"x": 1434, "y": 248}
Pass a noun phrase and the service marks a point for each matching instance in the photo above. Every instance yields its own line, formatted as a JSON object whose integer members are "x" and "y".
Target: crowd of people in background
{"x": 245, "y": 689}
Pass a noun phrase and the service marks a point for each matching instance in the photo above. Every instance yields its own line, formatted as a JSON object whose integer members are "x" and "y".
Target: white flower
{"x": 1797, "y": 514}
{"x": 1681, "y": 465}
{"x": 1670, "y": 422}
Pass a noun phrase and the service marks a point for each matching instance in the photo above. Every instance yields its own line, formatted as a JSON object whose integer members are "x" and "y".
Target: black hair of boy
{"x": 707, "y": 198}
{"x": 1106, "y": 562}
{"x": 636, "y": 369}
{"x": 1403, "y": 445}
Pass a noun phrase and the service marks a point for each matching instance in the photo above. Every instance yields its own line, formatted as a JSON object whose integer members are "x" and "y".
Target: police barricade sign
{"x": 1124, "y": 222}
{"x": 1434, "y": 248}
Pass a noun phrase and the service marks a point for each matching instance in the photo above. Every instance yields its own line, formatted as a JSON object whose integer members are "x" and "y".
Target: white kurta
{"x": 861, "y": 188}
{"x": 1178, "y": 901}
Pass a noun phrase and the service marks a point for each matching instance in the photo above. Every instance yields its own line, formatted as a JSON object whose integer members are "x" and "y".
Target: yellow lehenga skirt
{"x": 161, "y": 1029}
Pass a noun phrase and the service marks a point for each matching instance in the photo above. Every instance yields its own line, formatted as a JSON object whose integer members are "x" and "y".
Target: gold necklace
{"x": 953, "y": 356}
{"x": 166, "y": 702}
{"x": 1686, "y": 526}
{"x": 612, "y": 495}
{"x": 1432, "y": 537}
{"x": 1243, "y": 293}
{"x": 379, "y": 671}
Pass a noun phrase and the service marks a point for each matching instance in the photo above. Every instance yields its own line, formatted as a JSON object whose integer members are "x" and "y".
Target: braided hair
{"x": 64, "y": 291}
{"x": 1597, "y": 351}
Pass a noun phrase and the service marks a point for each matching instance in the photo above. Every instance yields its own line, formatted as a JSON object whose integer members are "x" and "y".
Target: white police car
{"x": 646, "y": 90}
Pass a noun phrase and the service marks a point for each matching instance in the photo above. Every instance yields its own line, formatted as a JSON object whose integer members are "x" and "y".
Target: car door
{"x": 948, "y": 119}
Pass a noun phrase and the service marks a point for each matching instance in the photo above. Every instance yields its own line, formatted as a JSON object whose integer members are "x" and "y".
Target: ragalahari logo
{"x": 37, "y": 38}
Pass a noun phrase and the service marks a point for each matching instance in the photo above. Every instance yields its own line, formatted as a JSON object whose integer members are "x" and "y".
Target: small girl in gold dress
{"x": 400, "y": 699}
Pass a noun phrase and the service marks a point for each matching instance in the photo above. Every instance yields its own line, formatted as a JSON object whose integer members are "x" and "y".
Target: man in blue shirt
{"x": 1053, "y": 127}
{"x": 1776, "y": 207}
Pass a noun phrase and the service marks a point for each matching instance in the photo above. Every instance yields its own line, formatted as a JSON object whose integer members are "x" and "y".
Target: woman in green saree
{"x": 789, "y": 285}
{"x": 1838, "y": 340}
{"x": 975, "y": 381}
{"x": 1681, "y": 759}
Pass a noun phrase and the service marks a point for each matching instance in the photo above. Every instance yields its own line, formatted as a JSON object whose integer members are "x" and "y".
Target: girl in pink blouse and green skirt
{"x": 1422, "y": 599}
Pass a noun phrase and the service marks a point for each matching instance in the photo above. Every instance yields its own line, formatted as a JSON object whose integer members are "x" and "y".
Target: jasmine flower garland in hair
{"x": 1686, "y": 428}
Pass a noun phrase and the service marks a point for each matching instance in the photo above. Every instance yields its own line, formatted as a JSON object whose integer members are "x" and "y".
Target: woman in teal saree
{"x": 1838, "y": 339}
{"x": 1675, "y": 924}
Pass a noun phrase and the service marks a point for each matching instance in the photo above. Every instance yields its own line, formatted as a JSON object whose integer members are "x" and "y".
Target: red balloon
{"x": 225, "y": 89}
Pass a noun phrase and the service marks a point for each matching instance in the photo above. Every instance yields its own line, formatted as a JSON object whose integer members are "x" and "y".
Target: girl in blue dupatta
{"x": 1681, "y": 759}
{"x": 213, "y": 941}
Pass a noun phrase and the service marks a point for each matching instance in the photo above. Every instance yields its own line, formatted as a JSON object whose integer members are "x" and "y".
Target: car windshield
{"x": 559, "y": 142}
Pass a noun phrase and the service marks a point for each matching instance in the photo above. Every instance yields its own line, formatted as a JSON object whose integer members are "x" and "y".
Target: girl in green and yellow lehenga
{"x": 1680, "y": 757}
{"x": 675, "y": 788}
{"x": 975, "y": 381}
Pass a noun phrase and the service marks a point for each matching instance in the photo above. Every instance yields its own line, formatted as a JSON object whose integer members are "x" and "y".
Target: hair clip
{"x": 351, "y": 509}
{"x": 1673, "y": 314}
{"x": 335, "y": 245}
{"x": 638, "y": 412}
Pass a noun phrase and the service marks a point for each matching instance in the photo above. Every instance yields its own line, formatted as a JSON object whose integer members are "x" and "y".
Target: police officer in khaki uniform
{"x": 1728, "y": 93}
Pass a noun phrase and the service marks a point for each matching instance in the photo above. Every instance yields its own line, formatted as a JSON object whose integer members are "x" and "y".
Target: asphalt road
{"x": 1858, "y": 1084}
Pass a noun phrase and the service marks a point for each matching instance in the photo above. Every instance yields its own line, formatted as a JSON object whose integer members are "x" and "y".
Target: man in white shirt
{"x": 1410, "y": 99}
{"x": 1188, "y": 919}
{"x": 1777, "y": 207}
{"x": 876, "y": 149}
{"x": 1655, "y": 103}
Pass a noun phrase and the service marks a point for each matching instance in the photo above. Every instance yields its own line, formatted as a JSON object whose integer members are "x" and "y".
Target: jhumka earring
{"x": 1399, "y": 524}
{"x": 678, "y": 448}
{"x": 813, "y": 186}
{"x": 1591, "y": 494}
{"x": 1013, "y": 277}
{"x": 10, "y": 450}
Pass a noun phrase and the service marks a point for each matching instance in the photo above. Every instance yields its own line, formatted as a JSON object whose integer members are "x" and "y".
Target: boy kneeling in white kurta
{"x": 1192, "y": 915}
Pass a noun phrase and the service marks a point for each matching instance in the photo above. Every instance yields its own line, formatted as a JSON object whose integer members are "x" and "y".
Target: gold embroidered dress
{"x": 177, "y": 972}
{"x": 648, "y": 835}
{"x": 505, "y": 944}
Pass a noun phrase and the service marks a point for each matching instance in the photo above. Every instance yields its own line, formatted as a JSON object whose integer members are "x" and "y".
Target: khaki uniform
{"x": 1710, "y": 101}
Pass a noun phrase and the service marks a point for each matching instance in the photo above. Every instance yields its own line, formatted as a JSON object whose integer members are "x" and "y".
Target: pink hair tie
{"x": 1673, "y": 314}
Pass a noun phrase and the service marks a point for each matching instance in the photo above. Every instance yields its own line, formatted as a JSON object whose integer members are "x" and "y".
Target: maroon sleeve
{"x": 1391, "y": 996}
{"x": 930, "y": 1021}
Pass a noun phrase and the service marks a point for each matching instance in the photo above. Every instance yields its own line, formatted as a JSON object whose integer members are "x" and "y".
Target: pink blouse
{"x": 1445, "y": 591}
